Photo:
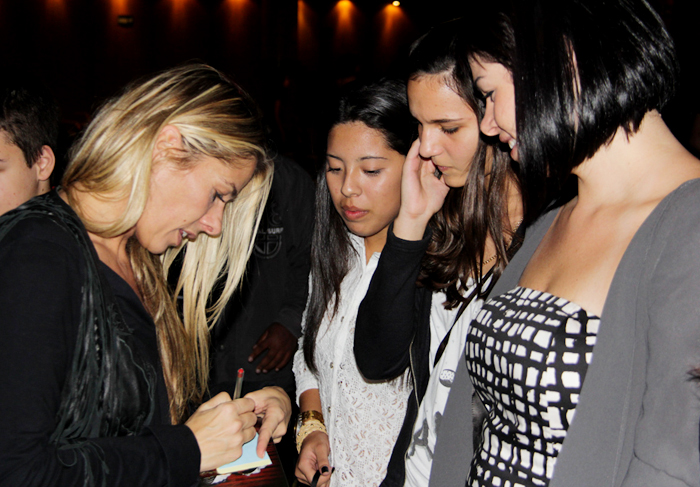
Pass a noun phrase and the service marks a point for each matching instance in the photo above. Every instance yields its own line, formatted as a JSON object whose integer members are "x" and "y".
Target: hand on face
{"x": 422, "y": 195}
{"x": 448, "y": 128}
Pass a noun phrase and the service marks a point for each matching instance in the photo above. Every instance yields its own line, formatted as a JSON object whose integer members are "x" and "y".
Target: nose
{"x": 351, "y": 184}
{"x": 488, "y": 124}
{"x": 429, "y": 144}
{"x": 211, "y": 220}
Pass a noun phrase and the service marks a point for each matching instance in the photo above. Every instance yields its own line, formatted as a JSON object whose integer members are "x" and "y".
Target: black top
{"x": 41, "y": 272}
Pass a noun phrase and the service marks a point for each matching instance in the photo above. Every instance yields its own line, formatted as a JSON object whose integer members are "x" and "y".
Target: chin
{"x": 455, "y": 181}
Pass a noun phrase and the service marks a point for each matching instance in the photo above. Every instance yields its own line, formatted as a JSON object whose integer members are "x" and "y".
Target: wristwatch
{"x": 307, "y": 416}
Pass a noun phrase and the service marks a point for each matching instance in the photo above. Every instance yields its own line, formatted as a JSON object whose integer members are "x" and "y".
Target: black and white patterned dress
{"x": 527, "y": 354}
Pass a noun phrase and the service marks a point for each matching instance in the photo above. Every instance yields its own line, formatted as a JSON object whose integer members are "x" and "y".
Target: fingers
{"x": 275, "y": 360}
{"x": 263, "y": 439}
{"x": 276, "y": 408}
{"x": 313, "y": 458}
{"x": 268, "y": 361}
{"x": 220, "y": 398}
{"x": 222, "y": 429}
{"x": 273, "y": 426}
{"x": 413, "y": 159}
{"x": 259, "y": 347}
{"x": 280, "y": 344}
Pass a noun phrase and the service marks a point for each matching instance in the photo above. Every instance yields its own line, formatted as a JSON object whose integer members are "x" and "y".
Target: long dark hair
{"x": 382, "y": 106}
{"x": 478, "y": 210}
{"x": 581, "y": 70}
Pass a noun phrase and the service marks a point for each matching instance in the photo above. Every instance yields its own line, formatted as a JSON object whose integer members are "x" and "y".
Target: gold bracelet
{"x": 307, "y": 415}
{"x": 310, "y": 426}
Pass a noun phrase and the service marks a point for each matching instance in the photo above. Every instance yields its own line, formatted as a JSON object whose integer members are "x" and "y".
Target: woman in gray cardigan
{"x": 596, "y": 315}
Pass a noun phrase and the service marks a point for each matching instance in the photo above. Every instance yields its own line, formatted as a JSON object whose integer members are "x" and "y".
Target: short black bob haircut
{"x": 581, "y": 69}
{"x": 29, "y": 116}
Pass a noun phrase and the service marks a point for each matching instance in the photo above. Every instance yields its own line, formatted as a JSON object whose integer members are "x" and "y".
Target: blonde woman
{"x": 97, "y": 369}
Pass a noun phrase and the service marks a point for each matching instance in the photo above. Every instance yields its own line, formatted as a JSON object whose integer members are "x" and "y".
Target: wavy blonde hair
{"x": 113, "y": 161}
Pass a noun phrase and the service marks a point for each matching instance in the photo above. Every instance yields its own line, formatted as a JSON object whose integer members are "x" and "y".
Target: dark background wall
{"x": 291, "y": 55}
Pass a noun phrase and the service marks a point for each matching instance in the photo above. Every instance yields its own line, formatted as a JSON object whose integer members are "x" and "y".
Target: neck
{"x": 375, "y": 243}
{"x": 101, "y": 212}
{"x": 634, "y": 167}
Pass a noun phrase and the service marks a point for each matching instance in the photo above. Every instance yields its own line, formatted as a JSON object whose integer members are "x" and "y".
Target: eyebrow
{"x": 363, "y": 158}
{"x": 446, "y": 120}
{"x": 234, "y": 191}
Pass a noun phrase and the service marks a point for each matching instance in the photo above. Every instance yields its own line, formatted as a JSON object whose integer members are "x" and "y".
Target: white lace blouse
{"x": 363, "y": 418}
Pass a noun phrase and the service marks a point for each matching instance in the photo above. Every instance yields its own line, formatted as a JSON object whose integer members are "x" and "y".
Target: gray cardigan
{"x": 636, "y": 423}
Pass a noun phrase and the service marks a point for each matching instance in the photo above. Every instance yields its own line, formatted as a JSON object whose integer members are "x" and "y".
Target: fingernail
{"x": 324, "y": 469}
{"x": 250, "y": 359}
{"x": 264, "y": 371}
{"x": 257, "y": 371}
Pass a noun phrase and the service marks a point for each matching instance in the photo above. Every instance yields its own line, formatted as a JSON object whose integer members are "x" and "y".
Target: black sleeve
{"x": 41, "y": 271}
{"x": 388, "y": 319}
{"x": 298, "y": 213}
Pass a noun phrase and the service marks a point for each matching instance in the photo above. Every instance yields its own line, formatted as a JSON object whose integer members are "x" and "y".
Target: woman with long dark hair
{"x": 583, "y": 354}
{"x": 347, "y": 422}
{"x": 429, "y": 285}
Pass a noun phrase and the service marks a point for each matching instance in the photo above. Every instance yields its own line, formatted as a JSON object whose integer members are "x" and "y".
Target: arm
{"x": 38, "y": 335}
{"x": 388, "y": 318}
{"x": 665, "y": 443}
{"x": 316, "y": 448}
{"x": 305, "y": 379}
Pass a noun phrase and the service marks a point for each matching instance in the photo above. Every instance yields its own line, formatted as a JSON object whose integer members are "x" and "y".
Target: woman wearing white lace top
{"x": 358, "y": 196}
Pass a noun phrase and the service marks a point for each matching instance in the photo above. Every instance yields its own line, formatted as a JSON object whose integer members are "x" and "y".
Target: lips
{"x": 186, "y": 235}
{"x": 353, "y": 213}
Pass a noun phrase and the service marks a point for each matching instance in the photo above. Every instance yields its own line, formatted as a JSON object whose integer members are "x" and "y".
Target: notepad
{"x": 249, "y": 459}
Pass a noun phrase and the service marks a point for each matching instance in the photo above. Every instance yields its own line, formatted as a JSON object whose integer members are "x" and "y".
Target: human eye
{"x": 373, "y": 172}
{"x": 331, "y": 169}
{"x": 219, "y": 196}
{"x": 449, "y": 130}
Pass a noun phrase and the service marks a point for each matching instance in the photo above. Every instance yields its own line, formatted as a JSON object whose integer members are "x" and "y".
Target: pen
{"x": 239, "y": 385}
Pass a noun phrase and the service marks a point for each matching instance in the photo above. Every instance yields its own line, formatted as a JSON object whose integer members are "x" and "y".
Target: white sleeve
{"x": 305, "y": 379}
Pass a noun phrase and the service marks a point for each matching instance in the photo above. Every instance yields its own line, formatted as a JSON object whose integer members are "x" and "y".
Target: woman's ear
{"x": 168, "y": 139}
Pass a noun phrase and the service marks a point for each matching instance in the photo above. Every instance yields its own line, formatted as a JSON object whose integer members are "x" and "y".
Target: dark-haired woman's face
{"x": 495, "y": 83}
{"x": 447, "y": 127}
{"x": 364, "y": 178}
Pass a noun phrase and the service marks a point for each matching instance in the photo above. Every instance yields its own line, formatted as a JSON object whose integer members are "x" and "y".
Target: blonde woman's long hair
{"x": 113, "y": 161}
